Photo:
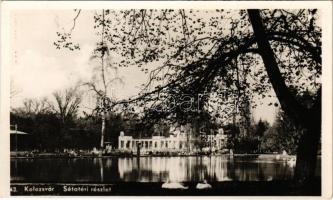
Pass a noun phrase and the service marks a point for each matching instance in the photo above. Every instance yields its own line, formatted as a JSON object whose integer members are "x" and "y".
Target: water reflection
{"x": 150, "y": 169}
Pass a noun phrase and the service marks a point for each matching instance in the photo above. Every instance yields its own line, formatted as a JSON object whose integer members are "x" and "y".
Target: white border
{"x": 4, "y": 107}
{"x": 327, "y": 102}
{"x": 325, "y": 6}
{"x": 164, "y": 4}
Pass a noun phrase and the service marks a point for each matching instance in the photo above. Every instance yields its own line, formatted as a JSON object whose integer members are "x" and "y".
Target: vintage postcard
{"x": 166, "y": 98}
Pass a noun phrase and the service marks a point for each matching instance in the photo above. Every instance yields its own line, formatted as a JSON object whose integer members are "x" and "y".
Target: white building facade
{"x": 177, "y": 141}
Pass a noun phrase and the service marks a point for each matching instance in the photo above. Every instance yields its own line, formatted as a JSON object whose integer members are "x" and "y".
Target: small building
{"x": 20, "y": 141}
{"x": 155, "y": 143}
{"x": 178, "y": 140}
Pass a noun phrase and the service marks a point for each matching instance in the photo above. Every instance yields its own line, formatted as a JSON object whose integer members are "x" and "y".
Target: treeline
{"x": 47, "y": 132}
{"x": 261, "y": 137}
{"x": 54, "y": 124}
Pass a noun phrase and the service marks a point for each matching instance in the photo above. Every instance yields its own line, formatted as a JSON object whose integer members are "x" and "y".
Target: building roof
{"x": 14, "y": 132}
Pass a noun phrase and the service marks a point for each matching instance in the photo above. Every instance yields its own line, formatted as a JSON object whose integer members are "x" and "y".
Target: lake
{"x": 150, "y": 169}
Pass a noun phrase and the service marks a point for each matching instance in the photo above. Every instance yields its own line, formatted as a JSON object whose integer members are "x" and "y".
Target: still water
{"x": 150, "y": 169}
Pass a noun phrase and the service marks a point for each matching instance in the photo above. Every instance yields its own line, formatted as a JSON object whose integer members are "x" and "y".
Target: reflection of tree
{"x": 101, "y": 169}
{"x": 231, "y": 169}
{"x": 130, "y": 169}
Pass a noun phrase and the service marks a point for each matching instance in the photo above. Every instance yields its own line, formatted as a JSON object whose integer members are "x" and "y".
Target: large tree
{"x": 307, "y": 116}
{"x": 67, "y": 104}
{"x": 104, "y": 73}
{"x": 239, "y": 53}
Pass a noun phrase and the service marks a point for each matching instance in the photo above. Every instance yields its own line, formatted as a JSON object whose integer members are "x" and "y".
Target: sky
{"x": 38, "y": 68}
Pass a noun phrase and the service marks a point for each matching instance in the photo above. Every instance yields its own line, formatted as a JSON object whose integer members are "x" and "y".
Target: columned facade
{"x": 178, "y": 142}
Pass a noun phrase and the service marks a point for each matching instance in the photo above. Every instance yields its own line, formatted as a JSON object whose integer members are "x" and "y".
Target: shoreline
{"x": 63, "y": 156}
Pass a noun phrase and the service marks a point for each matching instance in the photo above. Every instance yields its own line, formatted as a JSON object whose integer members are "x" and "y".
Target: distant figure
{"x": 173, "y": 185}
{"x": 231, "y": 152}
{"x": 108, "y": 148}
{"x": 95, "y": 151}
{"x": 72, "y": 153}
{"x": 203, "y": 185}
{"x": 291, "y": 162}
{"x": 284, "y": 153}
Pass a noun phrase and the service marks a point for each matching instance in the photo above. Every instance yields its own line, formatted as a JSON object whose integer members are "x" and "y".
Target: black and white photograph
{"x": 167, "y": 101}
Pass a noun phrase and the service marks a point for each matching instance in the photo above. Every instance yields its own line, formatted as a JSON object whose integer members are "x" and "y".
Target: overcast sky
{"x": 38, "y": 68}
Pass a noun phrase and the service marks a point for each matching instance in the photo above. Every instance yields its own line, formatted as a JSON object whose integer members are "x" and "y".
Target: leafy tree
{"x": 282, "y": 136}
{"x": 237, "y": 52}
{"x": 105, "y": 71}
{"x": 286, "y": 133}
{"x": 234, "y": 132}
{"x": 309, "y": 45}
{"x": 261, "y": 127}
{"x": 270, "y": 141}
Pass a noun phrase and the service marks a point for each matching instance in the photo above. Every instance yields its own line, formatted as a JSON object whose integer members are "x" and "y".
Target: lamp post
{"x": 138, "y": 150}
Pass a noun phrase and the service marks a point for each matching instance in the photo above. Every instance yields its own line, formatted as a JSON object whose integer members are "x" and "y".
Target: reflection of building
{"x": 174, "y": 169}
{"x": 180, "y": 139}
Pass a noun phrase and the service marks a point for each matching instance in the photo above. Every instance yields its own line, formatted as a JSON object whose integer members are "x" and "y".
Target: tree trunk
{"x": 306, "y": 156}
{"x": 308, "y": 145}
{"x": 103, "y": 129}
{"x": 307, "y": 119}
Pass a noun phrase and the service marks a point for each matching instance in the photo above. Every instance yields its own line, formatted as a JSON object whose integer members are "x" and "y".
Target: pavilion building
{"x": 178, "y": 140}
